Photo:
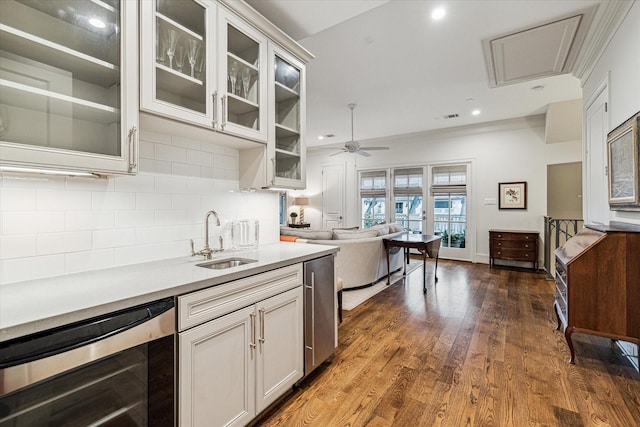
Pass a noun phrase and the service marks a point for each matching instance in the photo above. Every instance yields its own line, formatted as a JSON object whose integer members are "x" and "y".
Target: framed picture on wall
{"x": 512, "y": 195}
{"x": 623, "y": 157}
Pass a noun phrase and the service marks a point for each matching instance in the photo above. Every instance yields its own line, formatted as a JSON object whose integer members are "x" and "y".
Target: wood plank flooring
{"x": 480, "y": 349}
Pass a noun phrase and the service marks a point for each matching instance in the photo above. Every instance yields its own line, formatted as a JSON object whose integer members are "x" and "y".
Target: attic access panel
{"x": 544, "y": 50}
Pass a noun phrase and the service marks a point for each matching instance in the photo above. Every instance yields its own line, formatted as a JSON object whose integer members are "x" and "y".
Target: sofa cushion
{"x": 381, "y": 229}
{"x": 307, "y": 234}
{"x": 359, "y": 234}
{"x": 395, "y": 227}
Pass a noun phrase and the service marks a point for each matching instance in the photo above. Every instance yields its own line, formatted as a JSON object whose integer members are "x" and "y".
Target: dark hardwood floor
{"x": 480, "y": 349}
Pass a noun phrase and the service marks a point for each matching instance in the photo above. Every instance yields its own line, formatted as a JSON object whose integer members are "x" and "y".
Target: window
{"x": 407, "y": 195}
{"x": 449, "y": 190}
{"x": 373, "y": 196}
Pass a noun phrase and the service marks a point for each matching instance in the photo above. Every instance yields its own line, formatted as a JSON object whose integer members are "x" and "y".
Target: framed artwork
{"x": 512, "y": 195}
{"x": 623, "y": 157}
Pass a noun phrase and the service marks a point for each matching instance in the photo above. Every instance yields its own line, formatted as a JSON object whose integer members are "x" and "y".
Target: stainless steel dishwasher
{"x": 112, "y": 370}
{"x": 319, "y": 312}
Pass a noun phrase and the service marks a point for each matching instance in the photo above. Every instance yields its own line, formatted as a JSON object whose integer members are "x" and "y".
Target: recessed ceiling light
{"x": 537, "y": 88}
{"x": 438, "y": 13}
{"x": 475, "y": 112}
{"x": 96, "y": 23}
{"x": 329, "y": 135}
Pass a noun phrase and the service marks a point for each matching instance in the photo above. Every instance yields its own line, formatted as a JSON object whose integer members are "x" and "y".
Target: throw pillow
{"x": 307, "y": 234}
{"x": 395, "y": 227}
{"x": 360, "y": 234}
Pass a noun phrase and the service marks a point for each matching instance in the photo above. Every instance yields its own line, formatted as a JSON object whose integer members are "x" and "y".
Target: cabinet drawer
{"x": 515, "y": 254}
{"x": 498, "y": 235}
{"x": 210, "y": 303}
{"x": 513, "y": 244}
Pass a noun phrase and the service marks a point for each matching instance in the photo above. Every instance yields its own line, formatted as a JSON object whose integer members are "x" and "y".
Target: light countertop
{"x": 38, "y": 305}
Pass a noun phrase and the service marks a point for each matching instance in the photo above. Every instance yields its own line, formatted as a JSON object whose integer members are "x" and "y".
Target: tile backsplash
{"x": 52, "y": 225}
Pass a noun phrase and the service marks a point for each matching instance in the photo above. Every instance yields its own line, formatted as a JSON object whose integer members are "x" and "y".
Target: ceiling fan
{"x": 354, "y": 146}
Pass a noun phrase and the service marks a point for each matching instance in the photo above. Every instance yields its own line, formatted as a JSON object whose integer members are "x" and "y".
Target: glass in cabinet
{"x": 242, "y": 78}
{"x": 67, "y": 93}
{"x": 288, "y": 151}
{"x": 176, "y": 62}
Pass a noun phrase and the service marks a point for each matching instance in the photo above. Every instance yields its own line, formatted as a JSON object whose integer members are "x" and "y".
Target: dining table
{"x": 428, "y": 245}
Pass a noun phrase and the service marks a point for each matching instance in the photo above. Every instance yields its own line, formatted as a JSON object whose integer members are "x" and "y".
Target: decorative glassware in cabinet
{"x": 181, "y": 54}
{"x": 243, "y": 83}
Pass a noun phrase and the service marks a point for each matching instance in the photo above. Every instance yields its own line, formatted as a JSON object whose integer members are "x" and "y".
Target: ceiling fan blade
{"x": 339, "y": 152}
{"x": 363, "y": 153}
{"x": 374, "y": 148}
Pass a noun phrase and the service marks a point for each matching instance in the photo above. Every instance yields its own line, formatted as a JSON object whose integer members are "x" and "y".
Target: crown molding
{"x": 609, "y": 17}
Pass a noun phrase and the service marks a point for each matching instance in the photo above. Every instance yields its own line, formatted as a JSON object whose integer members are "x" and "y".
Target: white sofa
{"x": 361, "y": 260}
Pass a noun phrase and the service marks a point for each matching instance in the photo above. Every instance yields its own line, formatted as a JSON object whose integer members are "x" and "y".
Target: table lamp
{"x": 302, "y": 202}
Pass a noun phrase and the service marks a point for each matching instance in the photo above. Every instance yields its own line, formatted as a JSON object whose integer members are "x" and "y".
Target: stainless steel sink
{"x": 221, "y": 264}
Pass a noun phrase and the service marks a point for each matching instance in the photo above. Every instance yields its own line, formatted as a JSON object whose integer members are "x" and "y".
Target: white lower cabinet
{"x": 234, "y": 366}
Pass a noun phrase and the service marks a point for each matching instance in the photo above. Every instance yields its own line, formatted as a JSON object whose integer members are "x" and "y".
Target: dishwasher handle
{"x": 59, "y": 340}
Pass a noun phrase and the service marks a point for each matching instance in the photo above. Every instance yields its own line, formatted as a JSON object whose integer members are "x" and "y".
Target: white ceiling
{"x": 406, "y": 71}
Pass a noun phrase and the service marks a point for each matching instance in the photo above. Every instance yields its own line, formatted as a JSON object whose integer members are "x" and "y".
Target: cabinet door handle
{"x": 273, "y": 175}
{"x": 252, "y": 343}
{"x": 225, "y": 111}
{"x": 313, "y": 317}
{"x": 132, "y": 149}
{"x": 261, "y": 338}
{"x": 214, "y": 110}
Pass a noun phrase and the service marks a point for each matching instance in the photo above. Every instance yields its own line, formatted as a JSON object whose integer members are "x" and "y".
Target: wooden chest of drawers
{"x": 513, "y": 245}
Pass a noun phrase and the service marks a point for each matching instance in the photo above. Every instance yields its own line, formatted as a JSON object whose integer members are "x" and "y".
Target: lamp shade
{"x": 301, "y": 201}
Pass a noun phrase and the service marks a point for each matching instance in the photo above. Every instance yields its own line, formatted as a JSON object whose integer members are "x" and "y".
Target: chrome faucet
{"x": 207, "y": 252}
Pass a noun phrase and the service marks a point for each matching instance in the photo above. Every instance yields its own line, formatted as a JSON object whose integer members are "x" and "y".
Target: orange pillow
{"x": 288, "y": 238}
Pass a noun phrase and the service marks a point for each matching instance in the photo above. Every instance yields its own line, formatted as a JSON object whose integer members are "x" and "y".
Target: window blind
{"x": 373, "y": 183}
{"x": 407, "y": 181}
{"x": 449, "y": 179}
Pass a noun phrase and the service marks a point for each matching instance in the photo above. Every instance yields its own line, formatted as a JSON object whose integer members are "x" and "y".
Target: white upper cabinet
{"x": 69, "y": 85}
{"x": 286, "y": 146}
{"x": 242, "y": 78}
{"x": 178, "y": 59}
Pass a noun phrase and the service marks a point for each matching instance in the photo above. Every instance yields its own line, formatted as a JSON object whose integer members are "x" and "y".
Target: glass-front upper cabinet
{"x": 178, "y": 59}
{"x": 68, "y": 85}
{"x": 242, "y": 78}
{"x": 287, "y": 152}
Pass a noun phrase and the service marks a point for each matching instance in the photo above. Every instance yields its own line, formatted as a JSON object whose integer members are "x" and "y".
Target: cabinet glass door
{"x": 60, "y": 80}
{"x": 287, "y": 121}
{"x": 243, "y": 79}
{"x": 175, "y": 67}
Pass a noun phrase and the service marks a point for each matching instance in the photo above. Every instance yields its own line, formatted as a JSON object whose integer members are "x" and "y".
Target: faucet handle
{"x": 193, "y": 252}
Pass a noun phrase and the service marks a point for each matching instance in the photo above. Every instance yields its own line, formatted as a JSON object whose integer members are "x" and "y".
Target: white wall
{"x": 512, "y": 150}
{"x": 51, "y": 226}
{"x": 621, "y": 59}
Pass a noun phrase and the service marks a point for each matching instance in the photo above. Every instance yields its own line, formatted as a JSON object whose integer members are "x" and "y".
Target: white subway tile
{"x": 17, "y": 199}
{"x": 18, "y": 246}
{"x": 113, "y": 201}
{"x": 186, "y": 143}
{"x": 231, "y": 174}
{"x": 63, "y": 200}
{"x": 57, "y": 243}
{"x": 171, "y": 153}
{"x": 147, "y": 150}
{"x": 32, "y": 222}
{"x": 134, "y": 218}
{"x": 146, "y": 235}
{"x": 39, "y": 267}
{"x": 135, "y": 254}
{"x": 170, "y": 217}
{"x": 89, "y": 260}
{"x": 135, "y": 184}
{"x": 89, "y": 220}
{"x": 219, "y": 174}
{"x": 149, "y": 136}
{"x": 200, "y": 158}
{"x": 186, "y": 201}
{"x": 170, "y": 184}
{"x": 153, "y": 201}
{"x": 199, "y": 186}
{"x": 225, "y": 162}
{"x": 212, "y": 148}
{"x": 29, "y": 181}
{"x": 232, "y": 152}
{"x": 171, "y": 250}
{"x": 186, "y": 232}
{"x": 206, "y": 172}
{"x": 183, "y": 169}
{"x": 155, "y": 166}
{"x": 114, "y": 238}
